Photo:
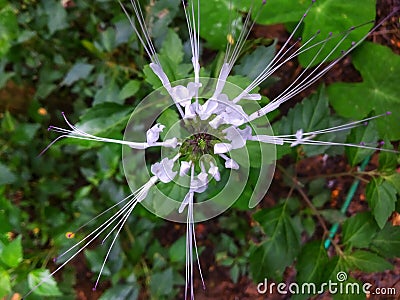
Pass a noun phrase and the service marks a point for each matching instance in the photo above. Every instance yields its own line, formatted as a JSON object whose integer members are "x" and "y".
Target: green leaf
{"x": 394, "y": 180}
{"x": 359, "y": 230}
{"x": 5, "y": 284}
{"x": 387, "y": 241}
{"x": 108, "y": 39}
{"x": 309, "y": 115}
{"x": 253, "y": 64}
{"x": 11, "y": 254}
{"x": 311, "y": 265}
{"x": 169, "y": 118}
{"x": 234, "y": 272}
{"x": 95, "y": 259}
{"x": 172, "y": 47}
{"x": 102, "y": 118}
{"x": 322, "y": 198}
{"x": 381, "y": 197}
{"x": 6, "y": 175}
{"x": 56, "y": 14}
{"x": 8, "y": 123}
{"x": 221, "y": 18}
{"x": 378, "y": 92}
{"x": 77, "y": 72}
{"x": 354, "y": 290}
{"x": 363, "y": 134}
{"x": 387, "y": 160}
{"x": 333, "y": 215}
{"x": 48, "y": 286}
{"x": 121, "y": 292}
{"x": 177, "y": 250}
{"x": 161, "y": 283}
{"x": 24, "y": 133}
{"x": 8, "y": 29}
{"x": 151, "y": 78}
{"x": 366, "y": 261}
{"x": 4, "y": 75}
{"x": 327, "y": 16}
{"x": 93, "y": 48}
{"x": 109, "y": 92}
{"x": 161, "y": 14}
{"x": 171, "y": 57}
{"x": 5, "y": 225}
{"x": 129, "y": 89}
{"x": 280, "y": 247}
{"x": 335, "y": 265}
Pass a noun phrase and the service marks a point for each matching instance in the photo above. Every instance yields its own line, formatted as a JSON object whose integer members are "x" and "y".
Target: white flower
{"x": 153, "y": 134}
{"x": 222, "y": 148}
{"x": 214, "y": 172}
{"x": 185, "y": 167}
{"x": 237, "y": 136}
{"x": 163, "y": 170}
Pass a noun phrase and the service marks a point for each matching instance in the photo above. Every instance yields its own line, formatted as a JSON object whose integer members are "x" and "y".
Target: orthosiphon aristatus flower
{"x": 217, "y": 121}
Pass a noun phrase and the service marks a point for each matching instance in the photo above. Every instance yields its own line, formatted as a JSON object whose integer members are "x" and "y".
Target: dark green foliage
{"x": 85, "y": 60}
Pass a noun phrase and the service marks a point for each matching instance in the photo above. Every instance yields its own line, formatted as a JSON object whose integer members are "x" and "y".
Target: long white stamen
{"x": 108, "y": 209}
{"x": 307, "y": 81}
{"x": 121, "y": 223}
{"x": 136, "y": 196}
{"x": 76, "y": 133}
{"x": 339, "y": 127}
{"x": 306, "y": 138}
{"x": 98, "y": 231}
{"x": 231, "y": 56}
{"x": 190, "y": 237}
{"x": 193, "y": 23}
{"x": 321, "y": 143}
{"x": 146, "y": 42}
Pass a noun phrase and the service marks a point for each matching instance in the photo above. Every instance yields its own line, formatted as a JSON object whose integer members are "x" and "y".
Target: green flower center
{"x": 197, "y": 145}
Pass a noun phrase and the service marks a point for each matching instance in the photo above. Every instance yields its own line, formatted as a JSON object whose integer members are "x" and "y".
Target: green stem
{"x": 346, "y": 204}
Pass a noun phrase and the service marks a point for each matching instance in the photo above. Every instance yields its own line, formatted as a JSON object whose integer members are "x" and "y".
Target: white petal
{"x": 214, "y": 172}
{"x": 254, "y": 97}
{"x": 218, "y": 120}
{"x": 222, "y": 148}
{"x": 188, "y": 198}
{"x": 222, "y": 79}
{"x": 268, "y": 139}
{"x": 170, "y": 143}
{"x": 299, "y": 138}
{"x": 181, "y": 95}
{"x": 200, "y": 183}
{"x": 161, "y": 75}
{"x": 146, "y": 188}
{"x": 190, "y": 111}
{"x": 153, "y": 134}
{"x": 234, "y": 115}
{"x": 237, "y": 136}
{"x": 193, "y": 88}
{"x": 231, "y": 164}
{"x": 205, "y": 110}
{"x": 185, "y": 167}
{"x": 163, "y": 170}
{"x": 299, "y": 134}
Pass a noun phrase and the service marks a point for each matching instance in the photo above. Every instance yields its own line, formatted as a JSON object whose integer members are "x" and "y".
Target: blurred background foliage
{"x": 82, "y": 57}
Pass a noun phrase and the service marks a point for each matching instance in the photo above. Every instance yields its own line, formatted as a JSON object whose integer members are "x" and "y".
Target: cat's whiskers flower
{"x": 219, "y": 114}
